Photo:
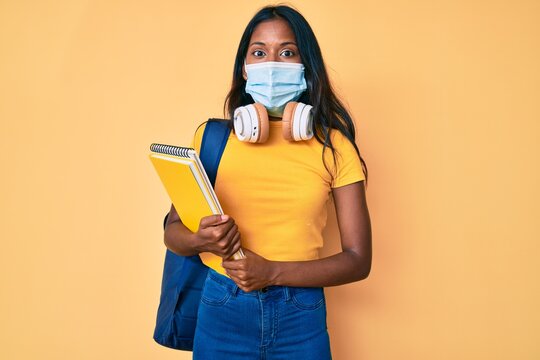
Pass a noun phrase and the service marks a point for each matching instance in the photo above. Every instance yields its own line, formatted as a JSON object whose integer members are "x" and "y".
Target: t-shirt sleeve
{"x": 347, "y": 168}
{"x": 197, "y": 138}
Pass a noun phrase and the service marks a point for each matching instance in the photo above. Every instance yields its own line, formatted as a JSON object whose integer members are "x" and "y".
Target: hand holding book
{"x": 219, "y": 235}
{"x": 194, "y": 199}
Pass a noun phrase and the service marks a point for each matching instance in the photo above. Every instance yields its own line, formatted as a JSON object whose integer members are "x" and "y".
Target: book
{"x": 187, "y": 184}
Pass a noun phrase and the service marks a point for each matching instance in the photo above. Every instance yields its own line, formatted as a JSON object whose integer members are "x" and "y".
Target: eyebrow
{"x": 282, "y": 44}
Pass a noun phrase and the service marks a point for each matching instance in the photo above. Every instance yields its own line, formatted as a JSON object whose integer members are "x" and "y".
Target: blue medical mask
{"x": 274, "y": 84}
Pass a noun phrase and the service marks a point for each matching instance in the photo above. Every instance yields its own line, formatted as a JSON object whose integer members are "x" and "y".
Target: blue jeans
{"x": 277, "y": 322}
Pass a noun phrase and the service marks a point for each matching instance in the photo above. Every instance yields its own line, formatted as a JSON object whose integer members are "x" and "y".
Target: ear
{"x": 244, "y": 74}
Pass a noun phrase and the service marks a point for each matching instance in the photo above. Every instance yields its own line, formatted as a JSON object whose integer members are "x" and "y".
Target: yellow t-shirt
{"x": 277, "y": 192}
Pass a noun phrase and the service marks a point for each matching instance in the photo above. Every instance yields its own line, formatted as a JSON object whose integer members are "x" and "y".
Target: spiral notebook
{"x": 187, "y": 184}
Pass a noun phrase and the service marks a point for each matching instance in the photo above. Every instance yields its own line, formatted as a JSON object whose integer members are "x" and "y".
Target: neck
{"x": 273, "y": 118}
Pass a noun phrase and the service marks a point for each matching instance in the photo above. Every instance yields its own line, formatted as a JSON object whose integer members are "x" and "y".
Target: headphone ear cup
{"x": 297, "y": 122}
{"x": 251, "y": 123}
{"x": 287, "y": 120}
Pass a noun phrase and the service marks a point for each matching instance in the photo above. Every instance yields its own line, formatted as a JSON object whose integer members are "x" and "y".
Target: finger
{"x": 224, "y": 239}
{"x": 233, "y": 275}
{"x": 232, "y": 230}
{"x": 236, "y": 248}
{"x": 238, "y": 274}
{"x": 233, "y": 246}
{"x": 242, "y": 284}
{"x": 241, "y": 275}
{"x": 234, "y": 264}
{"x": 219, "y": 234}
{"x": 213, "y": 220}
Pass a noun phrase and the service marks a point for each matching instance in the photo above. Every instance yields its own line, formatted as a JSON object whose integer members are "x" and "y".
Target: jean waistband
{"x": 231, "y": 286}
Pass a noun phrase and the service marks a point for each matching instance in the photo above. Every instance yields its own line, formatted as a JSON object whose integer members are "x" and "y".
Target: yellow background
{"x": 446, "y": 98}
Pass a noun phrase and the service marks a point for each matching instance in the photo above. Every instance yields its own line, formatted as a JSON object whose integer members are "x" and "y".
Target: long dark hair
{"x": 328, "y": 111}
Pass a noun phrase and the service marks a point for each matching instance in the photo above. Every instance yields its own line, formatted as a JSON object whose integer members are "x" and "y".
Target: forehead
{"x": 275, "y": 30}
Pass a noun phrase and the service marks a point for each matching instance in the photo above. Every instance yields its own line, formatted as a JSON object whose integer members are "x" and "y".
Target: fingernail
{"x": 224, "y": 217}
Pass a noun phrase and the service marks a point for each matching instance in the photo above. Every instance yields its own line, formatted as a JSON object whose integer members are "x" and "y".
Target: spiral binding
{"x": 170, "y": 150}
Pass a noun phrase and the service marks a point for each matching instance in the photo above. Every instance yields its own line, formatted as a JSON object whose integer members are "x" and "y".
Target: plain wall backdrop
{"x": 445, "y": 95}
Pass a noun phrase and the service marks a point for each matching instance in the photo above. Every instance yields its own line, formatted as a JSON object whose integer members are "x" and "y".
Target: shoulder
{"x": 346, "y": 166}
{"x": 342, "y": 144}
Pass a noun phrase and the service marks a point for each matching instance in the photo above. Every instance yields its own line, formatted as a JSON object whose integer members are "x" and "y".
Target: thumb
{"x": 213, "y": 220}
{"x": 247, "y": 252}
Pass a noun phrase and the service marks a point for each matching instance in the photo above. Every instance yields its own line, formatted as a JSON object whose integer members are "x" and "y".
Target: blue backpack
{"x": 184, "y": 276}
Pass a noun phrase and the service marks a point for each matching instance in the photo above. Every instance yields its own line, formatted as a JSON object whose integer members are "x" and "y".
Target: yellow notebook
{"x": 187, "y": 184}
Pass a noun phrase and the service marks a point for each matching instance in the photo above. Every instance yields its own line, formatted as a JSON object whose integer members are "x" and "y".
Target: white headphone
{"x": 251, "y": 122}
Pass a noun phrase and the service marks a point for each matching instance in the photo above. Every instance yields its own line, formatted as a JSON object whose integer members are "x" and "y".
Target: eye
{"x": 287, "y": 53}
{"x": 258, "y": 53}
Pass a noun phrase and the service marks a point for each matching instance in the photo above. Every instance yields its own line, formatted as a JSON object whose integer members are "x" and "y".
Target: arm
{"x": 353, "y": 263}
{"x": 217, "y": 234}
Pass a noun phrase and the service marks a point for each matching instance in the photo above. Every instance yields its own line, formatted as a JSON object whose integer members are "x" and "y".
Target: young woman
{"x": 274, "y": 180}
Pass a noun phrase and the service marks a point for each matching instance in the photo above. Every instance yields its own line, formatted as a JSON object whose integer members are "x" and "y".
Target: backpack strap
{"x": 215, "y": 136}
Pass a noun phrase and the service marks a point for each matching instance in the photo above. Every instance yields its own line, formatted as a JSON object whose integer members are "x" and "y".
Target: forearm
{"x": 342, "y": 268}
{"x": 179, "y": 239}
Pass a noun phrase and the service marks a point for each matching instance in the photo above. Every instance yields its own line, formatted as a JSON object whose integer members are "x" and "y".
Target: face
{"x": 272, "y": 40}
